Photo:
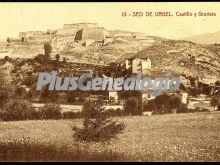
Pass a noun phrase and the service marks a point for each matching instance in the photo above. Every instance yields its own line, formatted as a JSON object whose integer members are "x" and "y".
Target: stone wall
{"x": 66, "y": 32}
{"x": 97, "y": 34}
{"x": 80, "y": 25}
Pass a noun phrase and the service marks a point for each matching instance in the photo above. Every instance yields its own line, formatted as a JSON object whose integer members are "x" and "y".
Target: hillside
{"x": 179, "y": 56}
{"x": 207, "y": 38}
{"x": 184, "y": 58}
{"x": 98, "y": 53}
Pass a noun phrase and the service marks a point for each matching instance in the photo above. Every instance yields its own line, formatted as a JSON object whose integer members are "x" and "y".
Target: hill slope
{"x": 183, "y": 57}
{"x": 76, "y": 52}
{"x": 207, "y": 38}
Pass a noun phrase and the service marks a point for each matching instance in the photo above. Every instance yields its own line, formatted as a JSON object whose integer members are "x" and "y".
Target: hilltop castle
{"x": 84, "y": 33}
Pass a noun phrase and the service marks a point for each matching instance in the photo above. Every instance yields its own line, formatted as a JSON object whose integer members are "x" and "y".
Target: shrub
{"x": 163, "y": 103}
{"x": 20, "y": 92}
{"x": 39, "y": 58}
{"x": 51, "y": 111}
{"x": 182, "y": 109}
{"x": 47, "y": 49}
{"x": 150, "y": 106}
{"x": 72, "y": 115}
{"x": 18, "y": 110}
{"x": 115, "y": 112}
{"x": 198, "y": 109}
{"x": 47, "y": 95}
{"x": 6, "y": 90}
{"x": 71, "y": 96}
{"x": 204, "y": 110}
{"x": 215, "y": 102}
{"x": 175, "y": 101}
{"x": 97, "y": 126}
{"x": 29, "y": 80}
{"x": 133, "y": 106}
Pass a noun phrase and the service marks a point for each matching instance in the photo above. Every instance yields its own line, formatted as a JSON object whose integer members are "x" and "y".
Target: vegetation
{"x": 133, "y": 106}
{"x": 49, "y": 96}
{"x": 215, "y": 101}
{"x": 51, "y": 111}
{"x": 47, "y": 49}
{"x": 13, "y": 105}
{"x": 18, "y": 110}
{"x": 97, "y": 126}
{"x": 164, "y": 104}
{"x": 5, "y": 91}
{"x": 168, "y": 137}
{"x": 27, "y": 151}
{"x": 57, "y": 57}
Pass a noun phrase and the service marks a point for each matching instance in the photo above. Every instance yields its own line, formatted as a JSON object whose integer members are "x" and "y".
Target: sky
{"x": 18, "y": 17}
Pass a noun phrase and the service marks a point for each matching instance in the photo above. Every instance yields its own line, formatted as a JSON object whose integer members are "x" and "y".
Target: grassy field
{"x": 174, "y": 137}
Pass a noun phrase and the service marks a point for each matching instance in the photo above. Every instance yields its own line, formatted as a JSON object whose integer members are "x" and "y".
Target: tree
{"x": 29, "y": 95}
{"x": 151, "y": 106}
{"x": 29, "y": 80}
{"x": 217, "y": 83}
{"x": 71, "y": 96}
{"x": 6, "y": 90}
{"x": 44, "y": 95}
{"x": 128, "y": 94}
{"x": 175, "y": 102}
{"x": 182, "y": 108}
{"x": 133, "y": 106}
{"x": 6, "y": 58}
{"x": 194, "y": 91}
{"x": 192, "y": 81}
{"x": 163, "y": 104}
{"x": 20, "y": 92}
{"x": 64, "y": 59}
{"x": 39, "y": 58}
{"x": 57, "y": 57}
{"x": 97, "y": 126}
{"x": 215, "y": 101}
{"x": 47, "y": 49}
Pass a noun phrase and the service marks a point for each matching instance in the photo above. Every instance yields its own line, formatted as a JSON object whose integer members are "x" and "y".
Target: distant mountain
{"x": 207, "y": 38}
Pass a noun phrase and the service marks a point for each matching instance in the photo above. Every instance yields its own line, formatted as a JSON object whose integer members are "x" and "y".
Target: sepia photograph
{"x": 110, "y": 82}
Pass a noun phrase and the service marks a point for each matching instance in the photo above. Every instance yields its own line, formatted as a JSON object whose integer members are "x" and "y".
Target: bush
{"x": 72, "y": 115}
{"x": 175, "y": 101}
{"x": 6, "y": 90}
{"x": 215, "y": 101}
{"x": 18, "y": 110}
{"x": 182, "y": 109}
{"x": 198, "y": 109}
{"x": 51, "y": 111}
{"x": 133, "y": 107}
{"x": 150, "y": 106}
{"x": 71, "y": 97}
{"x": 20, "y": 92}
{"x": 117, "y": 112}
{"x": 39, "y": 58}
{"x": 204, "y": 110}
{"x": 97, "y": 126}
{"x": 163, "y": 104}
